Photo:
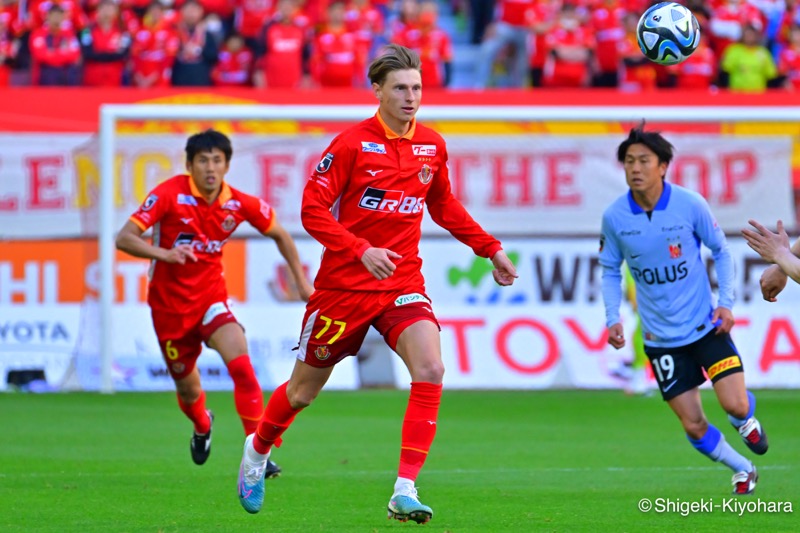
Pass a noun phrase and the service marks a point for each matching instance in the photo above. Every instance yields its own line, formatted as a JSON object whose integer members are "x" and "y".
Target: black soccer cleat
{"x": 200, "y": 445}
{"x": 273, "y": 470}
{"x": 754, "y": 436}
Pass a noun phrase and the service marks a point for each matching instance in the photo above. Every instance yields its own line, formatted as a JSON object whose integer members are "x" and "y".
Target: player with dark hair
{"x": 364, "y": 202}
{"x": 657, "y": 229}
{"x": 192, "y": 217}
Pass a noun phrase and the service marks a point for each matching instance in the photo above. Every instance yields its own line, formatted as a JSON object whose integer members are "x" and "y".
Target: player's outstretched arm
{"x": 504, "y": 272}
{"x": 616, "y": 336}
{"x": 288, "y": 250}
{"x": 774, "y": 247}
{"x": 130, "y": 241}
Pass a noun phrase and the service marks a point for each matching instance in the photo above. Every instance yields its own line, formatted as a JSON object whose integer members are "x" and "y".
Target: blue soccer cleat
{"x": 251, "y": 481}
{"x": 405, "y": 506}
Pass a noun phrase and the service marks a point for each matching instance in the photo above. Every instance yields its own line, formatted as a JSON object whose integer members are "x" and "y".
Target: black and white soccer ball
{"x": 668, "y": 33}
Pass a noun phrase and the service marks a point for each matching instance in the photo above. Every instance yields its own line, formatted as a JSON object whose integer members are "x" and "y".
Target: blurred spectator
{"x": 285, "y": 49}
{"x": 74, "y": 18}
{"x": 219, "y": 15}
{"x": 334, "y": 56}
{"x": 727, "y": 21}
{"x": 789, "y": 61}
{"x": 407, "y": 17}
{"x": 748, "y": 64}
{"x": 699, "y": 71}
{"x": 8, "y": 48}
{"x": 790, "y": 17}
{"x": 235, "y": 64}
{"x": 510, "y": 33}
{"x": 251, "y": 15}
{"x": 197, "y": 51}
{"x": 105, "y": 45}
{"x": 367, "y": 23}
{"x": 154, "y": 48}
{"x": 55, "y": 51}
{"x": 606, "y": 23}
{"x": 569, "y": 47}
{"x": 637, "y": 73}
{"x": 482, "y": 12}
{"x": 542, "y": 17}
{"x": 431, "y": 43}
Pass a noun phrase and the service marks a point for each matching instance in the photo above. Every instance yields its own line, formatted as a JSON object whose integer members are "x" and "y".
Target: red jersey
{"x": 335, "y": 59}
{"x": 561, "y": 73}
{"x": 153, "y": 51}
{"x": 608, "y": 31}
{"x": 105, "y": 54}
{"x": 637, "y": 77}
{"x": 55, "y": 49}
{"x": 789, "y": 65}
{"x": 726, "y": 24}
{"x": 698, "y": 71}
{"x": 180, "y": 215}
{"x": 233, "y": 68}
{"x": 515, "y": 12}
{"x": 434, "y": 48}
{"x": 377, "y": 184}
{"x": 283, "y": 61}
{"x": 251, "y": 15}
{"x": 74, "y": 17}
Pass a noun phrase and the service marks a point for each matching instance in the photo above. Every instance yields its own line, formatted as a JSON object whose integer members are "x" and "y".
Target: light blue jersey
{"x": 663, "y": 253}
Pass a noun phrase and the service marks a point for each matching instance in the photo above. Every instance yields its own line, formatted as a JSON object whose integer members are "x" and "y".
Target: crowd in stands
{"x": 746, "y": 44}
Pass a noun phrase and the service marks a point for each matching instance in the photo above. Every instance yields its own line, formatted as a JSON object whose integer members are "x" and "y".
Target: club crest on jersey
{"x": 322, "y": 353}
{"x": 325, "y": 164}
{"x": 423, "y": 149}
{"x": 178, "y": 367}
{"x": 675, "y": 251}
{"x": 229, "y": 223}
{"x": 373, "y": 147}
{"x": 231, "y": 205}
{"x": 149, "y": 202}
{"x": 186, "y": 199}
{"x": 425, "y": 174}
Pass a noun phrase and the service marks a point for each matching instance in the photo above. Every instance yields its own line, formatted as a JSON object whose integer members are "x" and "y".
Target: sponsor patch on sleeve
{"x": 149, "y": 202}
{"x": 325, "y": 164}
{"x": 373, "y": 147}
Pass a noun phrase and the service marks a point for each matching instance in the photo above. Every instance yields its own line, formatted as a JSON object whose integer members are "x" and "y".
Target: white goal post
{"x": 110, "y": 114}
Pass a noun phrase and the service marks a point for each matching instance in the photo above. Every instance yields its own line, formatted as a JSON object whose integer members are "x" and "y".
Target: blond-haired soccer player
{"x": 364, "y": 203}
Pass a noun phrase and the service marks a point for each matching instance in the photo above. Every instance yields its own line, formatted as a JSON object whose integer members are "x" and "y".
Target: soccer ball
{"x": 668, "y": 33}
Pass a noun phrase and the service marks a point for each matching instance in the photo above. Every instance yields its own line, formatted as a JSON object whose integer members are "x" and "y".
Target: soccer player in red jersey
{"x": 192, "y": 217}
{"x": 364, "y": 202}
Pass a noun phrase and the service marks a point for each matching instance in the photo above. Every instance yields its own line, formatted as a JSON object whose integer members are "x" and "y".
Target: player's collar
{"x": 225, "y": 193}
{"x": 392, "y": 135}
{"x": 660, "y": 205}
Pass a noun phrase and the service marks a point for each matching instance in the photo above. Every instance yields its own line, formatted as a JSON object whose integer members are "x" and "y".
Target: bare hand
{"x": 378, "y": 262}
{"x": 773, "y": 281}
{"x": 767, "y": 244}
{"x": 616, "y": 336}
{"x": 180, "y": 254}
{"x": 504, "y": 272}
{"x": 725, "y": 318}
{"x": 305, "y": 290}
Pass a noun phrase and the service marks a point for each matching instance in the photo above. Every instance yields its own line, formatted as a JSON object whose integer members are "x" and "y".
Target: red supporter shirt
{"x": 56, "y": 50}
{"x": 608, "y": 31}
{"x": 335, "y": 59}
{"x": 515, "y": 12}
{"x": 74, "y": 17}
{"x": 434, "y": 48}
{"x": 233, "y": 68}
{"x": 180, "y": 215}
{"x": 283, "y": 62}
{"x": 789, "y": 65}
{"x": 251, "y": 15}
{"x": 102, "y": 41}
{"x": 561, "y": 73}
{"x": 698, "y": 71}
{"x": 154, "y": 50}
{"x": 369, "y": 189}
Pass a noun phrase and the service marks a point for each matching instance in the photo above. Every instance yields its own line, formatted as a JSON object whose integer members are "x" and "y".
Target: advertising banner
{"x": 531, "y": 184}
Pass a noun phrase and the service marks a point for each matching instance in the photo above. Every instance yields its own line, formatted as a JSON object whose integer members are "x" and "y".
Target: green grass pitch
{"x": 502, "y": 461}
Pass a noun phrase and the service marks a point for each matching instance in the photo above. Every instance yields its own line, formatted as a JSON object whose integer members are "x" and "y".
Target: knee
{"x": 430, "y": 372}
{"x": 695, "y": 428}
{"x": 189, "y": 393}
{"x": 300, "y": 398}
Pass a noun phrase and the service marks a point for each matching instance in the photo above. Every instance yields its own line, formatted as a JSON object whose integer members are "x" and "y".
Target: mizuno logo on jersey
{"x": 373, "y": 173}
{"x": 186, "y": 199}
{"x": 424, "y": 149}
{"x": 372, "y": 147}
{"x": 390, "y": 201}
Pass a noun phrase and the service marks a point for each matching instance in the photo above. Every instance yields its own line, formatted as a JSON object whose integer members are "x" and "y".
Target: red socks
{"x": 246, "y": 392}
{"x": 197, "y": 413}
{"x": 419, "y": 427}
{"x": 276, "y": 418}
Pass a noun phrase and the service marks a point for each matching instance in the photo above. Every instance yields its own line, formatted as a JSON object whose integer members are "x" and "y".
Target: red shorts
{"x": 181, "y": 335}
{"x": 336, "y": 322}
